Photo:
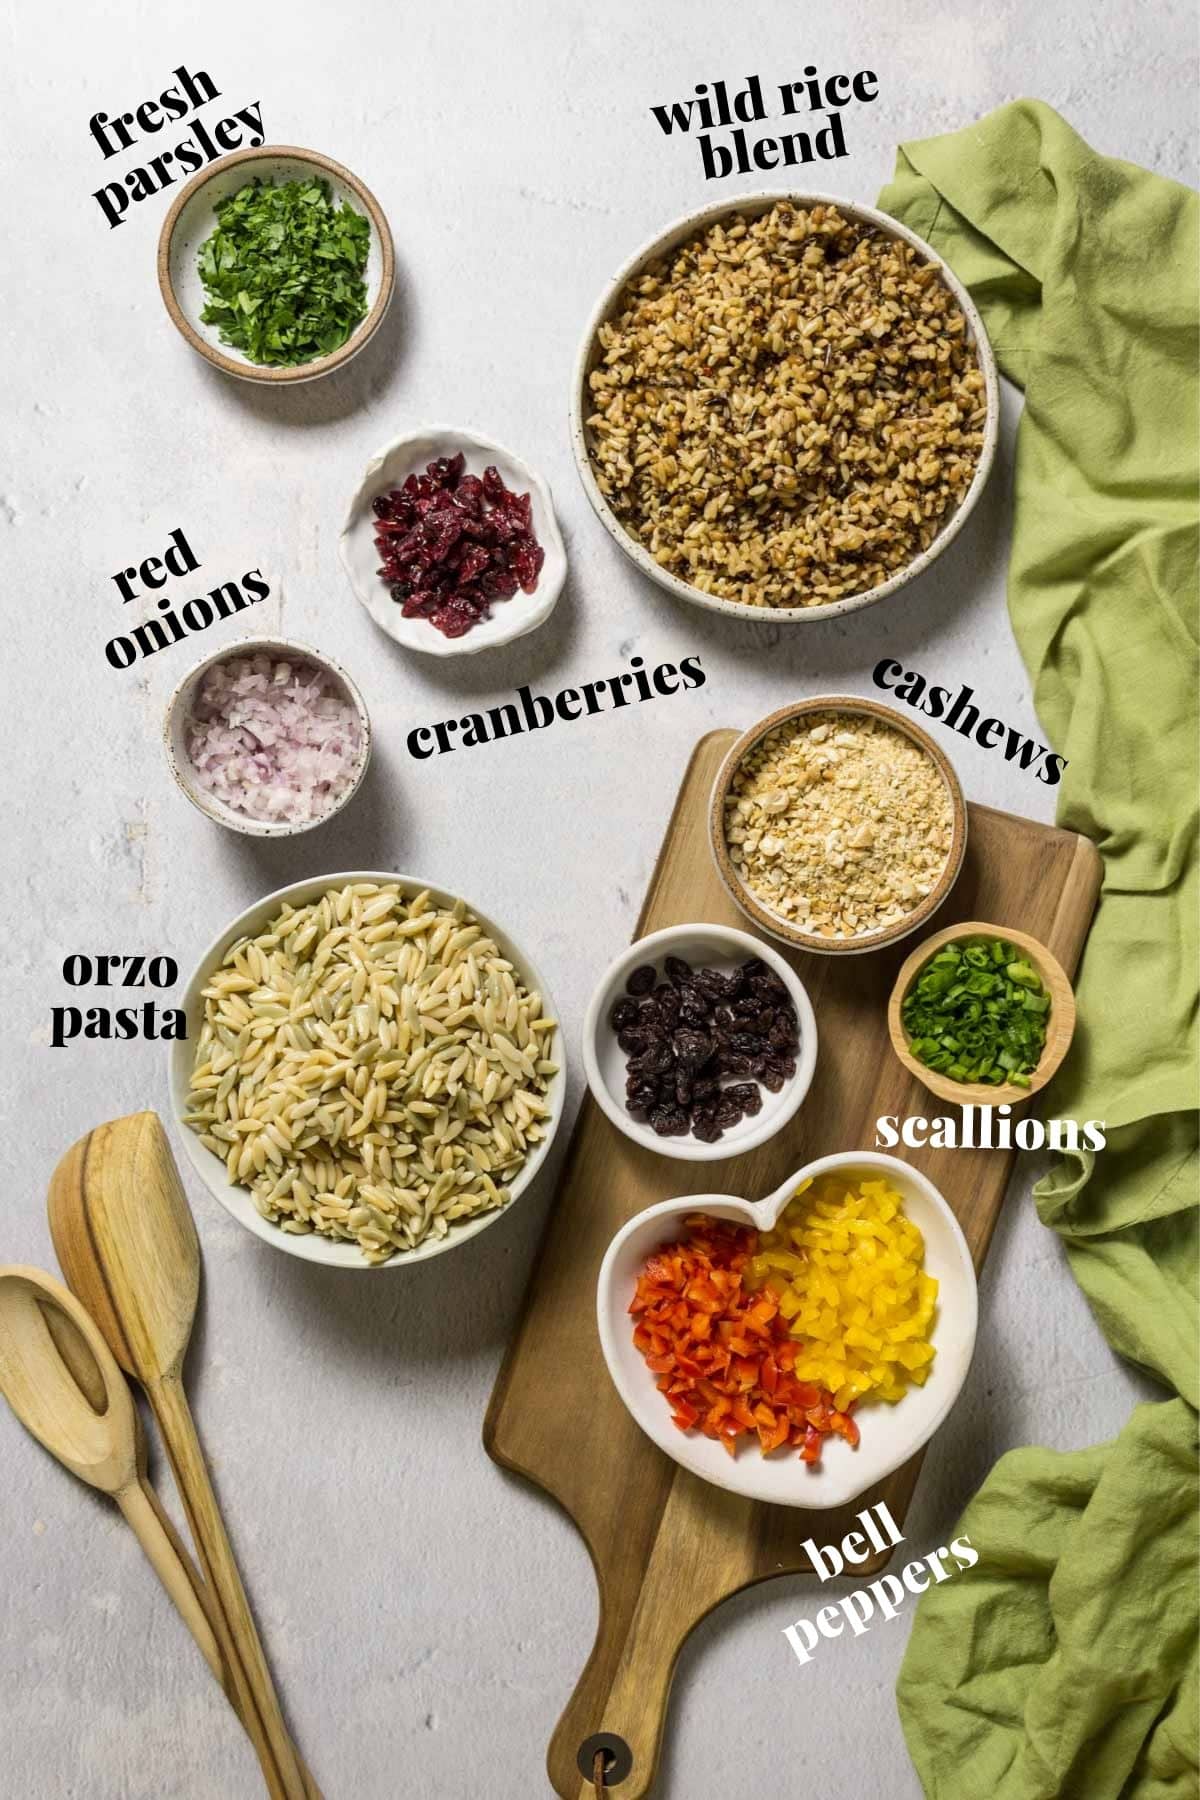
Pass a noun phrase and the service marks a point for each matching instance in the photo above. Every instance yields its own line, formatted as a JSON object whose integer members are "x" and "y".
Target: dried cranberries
{"x": 451, "y": 543}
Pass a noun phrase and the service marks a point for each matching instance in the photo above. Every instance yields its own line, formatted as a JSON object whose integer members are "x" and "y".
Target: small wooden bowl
{"x": 774, "y": 923}
{"x": 1060, "y": 1027}
{"x": 192, "y": 219}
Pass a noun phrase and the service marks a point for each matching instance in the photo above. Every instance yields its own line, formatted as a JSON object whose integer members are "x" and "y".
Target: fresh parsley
{"x": 283, "y": 271}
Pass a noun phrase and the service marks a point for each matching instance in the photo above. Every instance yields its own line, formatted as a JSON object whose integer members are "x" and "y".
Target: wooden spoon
{"x": 59, "y": 1377}
{"x": 68, "y": 1405}
{"x": 128, "y": 1247}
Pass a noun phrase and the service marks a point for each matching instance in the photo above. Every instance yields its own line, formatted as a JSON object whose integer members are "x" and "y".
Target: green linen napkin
{"x": 1064, "y": 1664}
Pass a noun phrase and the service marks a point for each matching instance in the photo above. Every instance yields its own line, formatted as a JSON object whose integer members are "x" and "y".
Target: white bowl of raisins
{"x": 699, "y": 1042}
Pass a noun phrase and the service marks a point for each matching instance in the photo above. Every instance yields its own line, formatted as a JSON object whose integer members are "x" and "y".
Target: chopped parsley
{"x": 283, "y": 271}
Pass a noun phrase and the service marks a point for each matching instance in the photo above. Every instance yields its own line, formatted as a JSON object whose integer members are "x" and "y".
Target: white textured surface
{"x": 426, "y": 1614}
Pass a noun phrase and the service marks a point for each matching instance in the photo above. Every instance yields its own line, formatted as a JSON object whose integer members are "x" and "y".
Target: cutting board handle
{"x": 626, "y": 1684}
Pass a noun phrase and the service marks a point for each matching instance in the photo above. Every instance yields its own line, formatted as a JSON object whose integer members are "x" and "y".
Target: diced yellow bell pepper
{"x": 847, "y": 1266}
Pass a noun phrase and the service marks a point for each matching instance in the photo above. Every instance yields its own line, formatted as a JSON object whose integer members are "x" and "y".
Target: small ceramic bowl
{"x": 175, "y": 736}
{"x": 1060, "y": 1025}
{"x": 890, "y": 1435}
{"x": 677, "y": 233}
{"x": 411, "y": 455}
{"x": 775, "y": 923}
{"x": 192, "y": 219}
{"x": 711, "y": 946}
{"x": 237, "y": 1201}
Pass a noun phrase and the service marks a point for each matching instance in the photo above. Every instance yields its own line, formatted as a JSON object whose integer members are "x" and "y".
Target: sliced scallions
{"x": 977, "y": 1012}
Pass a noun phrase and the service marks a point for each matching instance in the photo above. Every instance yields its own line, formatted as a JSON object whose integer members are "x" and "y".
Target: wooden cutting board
{"x": 666, "y": 1546}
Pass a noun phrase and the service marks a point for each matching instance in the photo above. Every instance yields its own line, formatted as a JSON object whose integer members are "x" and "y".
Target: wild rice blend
{"x": 786, "y": 408}
{"x": 371, "y": 1067}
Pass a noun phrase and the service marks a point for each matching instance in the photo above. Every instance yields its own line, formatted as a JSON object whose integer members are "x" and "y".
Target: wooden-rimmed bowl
{"x": 680, "y": 232}
{"x": 192, "y": 219}
{"x": 774, "y": 923}
{"x": 1060, "y": 1026}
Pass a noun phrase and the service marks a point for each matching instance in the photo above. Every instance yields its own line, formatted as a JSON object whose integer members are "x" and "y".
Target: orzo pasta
{"x": 371, "y": 1067}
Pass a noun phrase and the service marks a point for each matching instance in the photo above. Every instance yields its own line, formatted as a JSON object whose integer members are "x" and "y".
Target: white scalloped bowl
{"x": 410, "y": 455}
{"x": 890, "y": 1435}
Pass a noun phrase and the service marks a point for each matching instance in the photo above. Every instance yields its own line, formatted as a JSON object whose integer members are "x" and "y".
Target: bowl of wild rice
{"x": 372, "y": 1071}
{"x": 837, "y": 825}
{"x": 784, "y": 406}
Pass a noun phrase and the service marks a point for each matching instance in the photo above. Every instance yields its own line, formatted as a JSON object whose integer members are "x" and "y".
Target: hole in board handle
{"x": 618, "y": 1758}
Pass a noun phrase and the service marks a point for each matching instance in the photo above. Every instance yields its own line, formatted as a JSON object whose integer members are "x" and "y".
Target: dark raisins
{"x": 655, "y": 1058}
{"x": 692, "y": 1048}
{"x": 729, "y": 1111}
{"x": 669, "y": 1121}
{"x": 713, "y": 983}
{"x": 685, "y": 1034}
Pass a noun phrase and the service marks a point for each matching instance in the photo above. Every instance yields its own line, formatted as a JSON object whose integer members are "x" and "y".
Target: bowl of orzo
{"x": 837, "y": 825}
{"x": 784, "y": 406}
{"x": 373, "y": 1071}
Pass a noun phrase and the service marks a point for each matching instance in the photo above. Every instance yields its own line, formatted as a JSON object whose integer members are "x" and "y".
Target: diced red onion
{"x": 274, "y": 738}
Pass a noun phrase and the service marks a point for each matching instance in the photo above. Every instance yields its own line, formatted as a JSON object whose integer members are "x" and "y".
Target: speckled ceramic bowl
{"x": 751, "y": 205}
{"x": 180, "y": 764}
{"x": 192, "y": 219}
{"x": 784, "y": 929}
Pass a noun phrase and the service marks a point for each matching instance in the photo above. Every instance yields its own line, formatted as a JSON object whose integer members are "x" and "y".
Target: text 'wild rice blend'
{"x": 372, "y": 1068}
{"x": 786, "y": 408}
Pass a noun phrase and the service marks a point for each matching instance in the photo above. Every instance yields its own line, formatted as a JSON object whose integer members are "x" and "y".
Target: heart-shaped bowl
{"x": 890, "y": 1435}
